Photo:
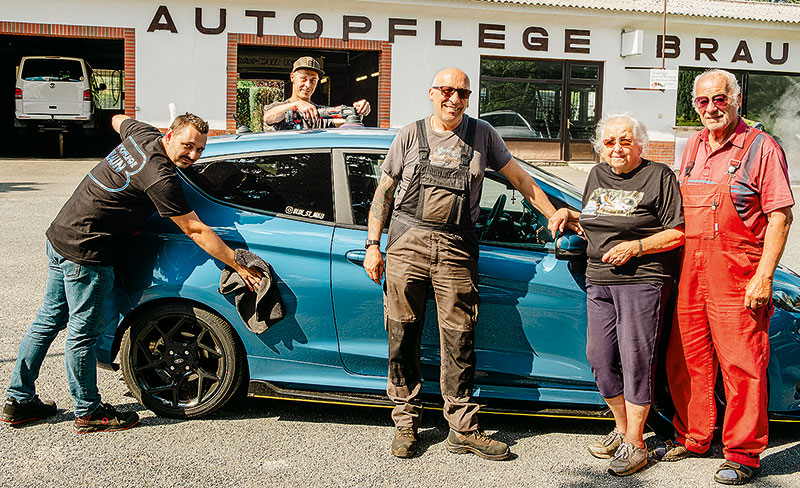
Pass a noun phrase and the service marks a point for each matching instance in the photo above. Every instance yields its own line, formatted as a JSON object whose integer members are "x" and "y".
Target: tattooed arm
{"x": 381, "y": 203}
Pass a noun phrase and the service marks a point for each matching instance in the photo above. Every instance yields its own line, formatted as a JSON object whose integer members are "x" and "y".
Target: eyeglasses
{"x": 624, "y": 142}
{"x": 720, "y": 101}
{"x": 447, "y": 91}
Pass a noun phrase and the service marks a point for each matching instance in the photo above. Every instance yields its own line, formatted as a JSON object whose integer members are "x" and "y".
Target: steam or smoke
{"x": 783, "y": 121}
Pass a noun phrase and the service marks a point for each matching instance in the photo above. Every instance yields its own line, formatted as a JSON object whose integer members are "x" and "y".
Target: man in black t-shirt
{"x": 113, "y": 200}
{"x": 305, "y": 76}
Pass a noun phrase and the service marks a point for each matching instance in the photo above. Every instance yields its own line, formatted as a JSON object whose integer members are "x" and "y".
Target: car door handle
{"x": 356, "y": 257}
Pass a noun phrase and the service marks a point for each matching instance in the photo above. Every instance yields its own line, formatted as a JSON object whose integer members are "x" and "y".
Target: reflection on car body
{"x": 300, "y": 200}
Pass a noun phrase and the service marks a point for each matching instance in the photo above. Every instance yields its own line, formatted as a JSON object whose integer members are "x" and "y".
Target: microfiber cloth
{"x": 259, "y": 309}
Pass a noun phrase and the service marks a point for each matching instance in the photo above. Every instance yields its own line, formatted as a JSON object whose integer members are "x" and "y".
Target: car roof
{"x": 361, "y": 137}
{"x": 24, "y": 58}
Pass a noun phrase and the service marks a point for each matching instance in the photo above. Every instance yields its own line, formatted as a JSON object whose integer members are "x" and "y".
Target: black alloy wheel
{"x": 181, "y": 361}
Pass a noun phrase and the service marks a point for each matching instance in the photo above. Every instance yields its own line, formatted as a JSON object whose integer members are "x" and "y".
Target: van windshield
{"x": 52, "y": 70}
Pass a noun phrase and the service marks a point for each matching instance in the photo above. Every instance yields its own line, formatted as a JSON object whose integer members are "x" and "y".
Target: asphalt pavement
{"x": 281, "y": 443}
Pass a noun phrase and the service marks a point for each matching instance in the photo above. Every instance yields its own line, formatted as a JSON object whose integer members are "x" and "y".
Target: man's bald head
{"x": 447, "y": 76}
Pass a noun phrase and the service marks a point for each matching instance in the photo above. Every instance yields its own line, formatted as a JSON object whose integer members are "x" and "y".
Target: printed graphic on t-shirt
{"x": 605, "y": 201}
{"x": 446, "y": 157}
{"x": 125, "y": 160}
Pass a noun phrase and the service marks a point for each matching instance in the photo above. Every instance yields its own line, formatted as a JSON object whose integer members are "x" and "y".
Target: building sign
{"x": 664, "y": 79}
{"x": 309, "y": 25}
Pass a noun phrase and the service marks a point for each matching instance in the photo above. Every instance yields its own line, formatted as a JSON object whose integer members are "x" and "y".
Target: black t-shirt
{"x": 117, "y": 196}
{"x": 307, "y": 124}
{"x": 626, "y": 207}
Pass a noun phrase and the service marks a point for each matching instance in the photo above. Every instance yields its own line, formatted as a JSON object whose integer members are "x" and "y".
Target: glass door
{"x": 582, "y": 109}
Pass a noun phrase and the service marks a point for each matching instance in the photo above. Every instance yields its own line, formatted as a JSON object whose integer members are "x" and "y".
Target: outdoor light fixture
{"x": 373, "y": 75}
{"x": 361, "y": 78}
{"x": 632, "y": 42}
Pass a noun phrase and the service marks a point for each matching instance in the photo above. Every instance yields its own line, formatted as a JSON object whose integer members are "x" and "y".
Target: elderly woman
{"x": 631, "y": 219}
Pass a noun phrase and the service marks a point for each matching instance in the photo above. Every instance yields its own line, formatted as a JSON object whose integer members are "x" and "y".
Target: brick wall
{"x": 384, "y": 65}
{"x": 661, "y": 151}
{"x": 92, "y": 32}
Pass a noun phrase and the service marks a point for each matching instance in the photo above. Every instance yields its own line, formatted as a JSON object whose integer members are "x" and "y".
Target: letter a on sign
{"x": 162, "y": 20}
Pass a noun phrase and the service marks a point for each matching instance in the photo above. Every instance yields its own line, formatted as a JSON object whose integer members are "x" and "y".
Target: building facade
{"x": 543, "y": 72}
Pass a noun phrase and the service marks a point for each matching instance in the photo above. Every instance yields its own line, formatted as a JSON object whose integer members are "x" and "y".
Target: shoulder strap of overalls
{"x": 468, "y": 150}
{"x": 752, "y": 135}
{"x": 422, "y": 140}
{"x": 691, "y": 149}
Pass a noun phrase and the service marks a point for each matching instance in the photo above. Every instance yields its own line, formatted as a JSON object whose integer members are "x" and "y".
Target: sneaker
{"x": 628, "y": 459}
{"x": 105, "y": 419}
{"x": 671, "y": 451}
{"x": 607, "y": 446}
{"x": 404, "y": 444}
{"x": 477, "y": 443}
{"x": 17, "y": 413}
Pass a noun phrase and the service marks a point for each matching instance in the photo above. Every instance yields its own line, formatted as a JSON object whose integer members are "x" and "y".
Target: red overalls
{"x": 713, "y": 327}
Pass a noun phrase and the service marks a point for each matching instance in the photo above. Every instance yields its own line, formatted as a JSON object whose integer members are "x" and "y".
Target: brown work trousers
{"x": 414, "y": 260}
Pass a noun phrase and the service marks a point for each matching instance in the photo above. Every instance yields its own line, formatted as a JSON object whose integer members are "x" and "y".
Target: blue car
{"x": 300, "y": 201}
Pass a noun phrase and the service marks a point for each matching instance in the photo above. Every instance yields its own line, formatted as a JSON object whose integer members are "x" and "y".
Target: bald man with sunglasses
{"x": 737, "y": 208}
{"x": 434, "y": 173}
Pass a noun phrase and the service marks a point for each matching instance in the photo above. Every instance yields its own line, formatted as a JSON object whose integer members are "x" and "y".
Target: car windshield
{"x": 52, "y": 70}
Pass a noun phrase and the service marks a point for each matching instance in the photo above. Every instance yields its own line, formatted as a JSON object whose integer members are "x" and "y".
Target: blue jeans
{"x": 75, "y": 297}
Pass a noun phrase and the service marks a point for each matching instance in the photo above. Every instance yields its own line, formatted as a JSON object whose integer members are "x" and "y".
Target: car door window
{"x": 293, "y": 184}
{"x": 363, "y": 174}
{"x": 506, "y": 218}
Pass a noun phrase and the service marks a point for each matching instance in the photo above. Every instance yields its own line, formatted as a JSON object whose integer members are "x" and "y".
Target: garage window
{"x": 293, "y": 184}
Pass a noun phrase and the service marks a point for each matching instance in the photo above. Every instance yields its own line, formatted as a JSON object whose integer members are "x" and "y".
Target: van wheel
{"x": 181, "y": 361}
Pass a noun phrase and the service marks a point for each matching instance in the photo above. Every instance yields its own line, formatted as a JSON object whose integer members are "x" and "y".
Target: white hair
{"x": 639, "y": 130}
{"x": 734, "y": 90}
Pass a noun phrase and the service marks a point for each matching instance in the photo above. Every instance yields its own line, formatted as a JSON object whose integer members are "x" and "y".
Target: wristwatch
{"x": 371, "y": 242}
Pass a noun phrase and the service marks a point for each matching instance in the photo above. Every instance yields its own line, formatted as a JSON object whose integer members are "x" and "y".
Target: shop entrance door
{"x": 581, "y": 109}
{"x": 545, "y": 109}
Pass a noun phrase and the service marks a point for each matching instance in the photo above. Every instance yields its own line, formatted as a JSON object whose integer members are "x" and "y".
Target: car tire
{"x": 182, "y": 361}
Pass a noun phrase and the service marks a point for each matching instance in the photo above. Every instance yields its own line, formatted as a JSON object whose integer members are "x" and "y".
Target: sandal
{"x": 730, "y": 473}
{"x": 671, "y": 451}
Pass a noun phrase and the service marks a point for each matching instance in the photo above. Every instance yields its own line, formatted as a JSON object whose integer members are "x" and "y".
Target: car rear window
{"x": 52, "y": 70}
{"x": 292, "y": 184}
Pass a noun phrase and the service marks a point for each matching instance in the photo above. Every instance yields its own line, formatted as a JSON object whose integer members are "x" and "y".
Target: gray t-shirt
{"x": 403, "y": 156}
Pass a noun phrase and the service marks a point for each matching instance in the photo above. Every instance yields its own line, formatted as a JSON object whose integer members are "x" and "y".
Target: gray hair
{"x": 639, "y": 130}
{"x": 730, "y": 80}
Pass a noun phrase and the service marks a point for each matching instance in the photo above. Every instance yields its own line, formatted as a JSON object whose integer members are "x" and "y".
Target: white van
{"x": 54, "y": 93}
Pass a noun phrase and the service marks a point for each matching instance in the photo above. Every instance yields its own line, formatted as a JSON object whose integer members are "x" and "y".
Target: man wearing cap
{"x": 305, "y": 76}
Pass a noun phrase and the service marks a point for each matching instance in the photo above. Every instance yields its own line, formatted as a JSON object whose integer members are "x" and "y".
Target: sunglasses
{"x": 613, "y": 142}
{"x": 721, "y": 101}
{"x": 447, "y": 91}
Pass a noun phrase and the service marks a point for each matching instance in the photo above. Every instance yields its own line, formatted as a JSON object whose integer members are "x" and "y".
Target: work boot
{"x": 628, "y": 459}
{"x": 105, "y": 419}
{"x": 404, "y": 444}
{"x": 17, "y": 413}
{"x": 606, "y": 447}
{"x": 477, "y": 443}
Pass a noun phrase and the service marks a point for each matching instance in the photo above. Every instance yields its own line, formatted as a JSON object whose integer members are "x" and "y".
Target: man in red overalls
{"x": 737, "y": 205}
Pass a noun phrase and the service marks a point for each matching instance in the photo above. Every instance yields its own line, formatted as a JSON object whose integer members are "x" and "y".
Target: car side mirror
{"x": 570, "y": 246}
